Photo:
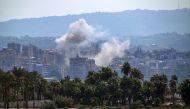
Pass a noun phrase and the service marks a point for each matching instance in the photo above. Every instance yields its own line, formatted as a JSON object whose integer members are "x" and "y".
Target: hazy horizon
{"x": 21, "y": 9}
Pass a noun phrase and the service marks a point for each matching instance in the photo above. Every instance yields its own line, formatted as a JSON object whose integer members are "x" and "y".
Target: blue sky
{"x": 18, "y": 9}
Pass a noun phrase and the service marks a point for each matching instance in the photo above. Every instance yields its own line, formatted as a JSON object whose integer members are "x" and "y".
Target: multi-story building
{"x": 79, "y": 67}
{"x": 14, "y": 46}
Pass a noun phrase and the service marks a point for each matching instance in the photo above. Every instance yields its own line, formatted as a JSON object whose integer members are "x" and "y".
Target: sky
{"x": 19, "y": 9}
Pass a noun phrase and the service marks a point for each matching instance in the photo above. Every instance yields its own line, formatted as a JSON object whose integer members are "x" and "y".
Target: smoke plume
{"x": 110, "y": 50}
{"x": 79, "y": 32}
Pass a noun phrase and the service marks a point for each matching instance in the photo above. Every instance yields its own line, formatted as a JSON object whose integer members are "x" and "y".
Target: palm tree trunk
{"x": 129, "y": 99}
{"x": 173, "y": 99}
{"x": 4, "y": 103}
{"x": 34, "y": 98}
{"x": 17, "y": 104}
{"x": 25, "y": 98}
{"x": 8, "y": 105}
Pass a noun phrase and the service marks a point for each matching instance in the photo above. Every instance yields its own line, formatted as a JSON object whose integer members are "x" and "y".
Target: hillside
{"x": 131, "y": 22}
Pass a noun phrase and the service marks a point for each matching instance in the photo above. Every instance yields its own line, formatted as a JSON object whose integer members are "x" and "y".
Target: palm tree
{"x": 126, "y": 68}
{"x": 1, "y": 87}
{"x": 56, "y": 86}
{"x": 135, "y": 73}
{"x": 185, "y": 91}
{"x": 92, "y": 77}
{"x": 25, "y": 87}
{"x": 159, "y": 86}
{"x": 33, "y": 78}
{"x": 18, "y": 73}
{"x": 7, "y": 82}
{"x": 126, "y": 85}
{"x": 113, "y": 86}
{"x": 173, "y": 87}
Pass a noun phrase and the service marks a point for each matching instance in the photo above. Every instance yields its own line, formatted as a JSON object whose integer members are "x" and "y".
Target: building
{"x": 79, "y": 67}
{"x": 14, "y": 46}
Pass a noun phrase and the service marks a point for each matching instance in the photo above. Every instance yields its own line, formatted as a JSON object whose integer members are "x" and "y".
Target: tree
{"x": 102, "y": 91}
{"x": 136, "y": 86}
{"x": 114, "y": 88}
{"x": 55, "y": 88}
{"x": 1, "y": 84}
{"x": 7, "y": 83}
{"x": 147, "y": 91}
{"x": 42, "y": 86}
{"x": 18, "y": 73}
{"x": 63, "y": 101}
{"x": 106, "y": 73}
{"x": 135, "y": 73}
{"x": 92, "y": 77}
{"x": 126, "y": 85}
{"x": 126, "y": 68}
{"x": 26, "y": 88}
{"x": 185, "y": 91}
{"x": 88, "y": 92}
{"x": 173, "y": 87}
{"x": 159, "y": 86}
{"x": 34, "y": 79}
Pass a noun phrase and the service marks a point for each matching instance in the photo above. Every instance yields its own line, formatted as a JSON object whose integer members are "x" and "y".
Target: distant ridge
{"x": 130, "y": 22}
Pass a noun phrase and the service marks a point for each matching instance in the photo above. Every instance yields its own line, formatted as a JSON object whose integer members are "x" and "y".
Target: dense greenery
{"x": 102, "y": 88}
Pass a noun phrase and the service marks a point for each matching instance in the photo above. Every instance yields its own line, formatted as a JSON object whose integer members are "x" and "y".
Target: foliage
{"x": 136, "y": 105}
{"x": 156, "y": 101}
{"x": 100, "y": 88}
{"x": 48, "y": 105}
{"x": 63, "y": 101}
{"x": 126, "y": 68}
{"x": 159, "y": 86}
{"x": 185, "y": 91}
{"x": 173, "y": 87}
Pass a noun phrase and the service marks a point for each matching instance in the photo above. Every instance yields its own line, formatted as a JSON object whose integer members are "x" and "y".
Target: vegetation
{"x": 185, "y": 91}
{"x": 102, "y": 88}
{"x": 49, "y": 105}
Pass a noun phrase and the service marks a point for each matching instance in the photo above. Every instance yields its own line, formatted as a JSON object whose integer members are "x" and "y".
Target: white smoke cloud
{"x": 79, "y": 32}
{"x": 110, "y": 50}
{"x": 82, "y": 34}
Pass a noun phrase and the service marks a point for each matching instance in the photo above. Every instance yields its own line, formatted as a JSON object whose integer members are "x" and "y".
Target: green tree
{"x": 102, "y": 91}
{"x": 55, "y": 88}
{"x": 1, "y": 84}
{"x": 7, "y": 83}
{"x": 185, "y": 91}
{"x": 114, "y": 89}
{"x": 136, "y": 86}
{"x": 62, "y": 102}
{"x": 106, "y": 73}
{"x": 126, "y": 85}
{"x": 173, "y": 87}
{"x": 126, "y": 68}
{"x": 136, "y": 73}
{"x": 88, "y": 92}
{"x": 26, "y": 88}
{"x": 92, "y": 77}
{"x": 147, "y": 91}
{"x": 18, "y": 73}
{"x": 33, "y": 78}
{"x": 159, "y": 86}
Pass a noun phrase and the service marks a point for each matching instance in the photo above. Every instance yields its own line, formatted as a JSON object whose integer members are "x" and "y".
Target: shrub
{"x": 157, "y": 101}
{"x": 136, "y": 105}
{"x": 48, "y": 105}
{"x": 63, "y": 101}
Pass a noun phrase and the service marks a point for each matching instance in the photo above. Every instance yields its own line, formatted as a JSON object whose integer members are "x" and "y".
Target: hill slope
{"x": 136, "y": 22}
